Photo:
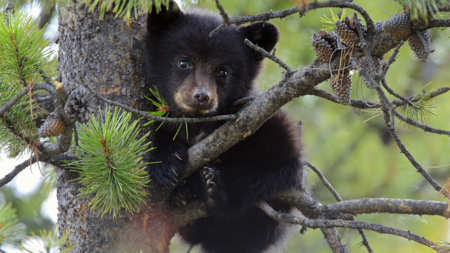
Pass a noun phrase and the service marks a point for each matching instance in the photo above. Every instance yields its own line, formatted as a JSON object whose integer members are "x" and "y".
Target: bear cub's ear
{"x": 263, "y": 34}
{"x": 166, "y": 16}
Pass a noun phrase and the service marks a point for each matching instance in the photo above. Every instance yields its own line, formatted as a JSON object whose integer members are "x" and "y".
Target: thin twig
{"x": 387, "y": 109}
{"x": 367, "y": 104}
{"x": 339, "y": 199}
{"x": 224, "y": 15}
{"x": 364, "y": 44}
{"x": 10, "y": 176}
{"x": 13, "y": 101}
{"x": 324, "y": 181}
{"x": 392, "y": 92}
{"x": 45, "y": 77}
{"x": 291, "y": 219}
{"x": 304, "y": 8}
{"x": 392, "y": 58}
{"x": 268, "y": 55}
{"x": 417, "y": 124}
{"x": 244, "y": 100}
{"x": 152, "y": 117}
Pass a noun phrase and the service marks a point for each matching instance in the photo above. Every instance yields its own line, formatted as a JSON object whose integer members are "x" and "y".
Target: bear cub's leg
{"x": 215, "y": 193}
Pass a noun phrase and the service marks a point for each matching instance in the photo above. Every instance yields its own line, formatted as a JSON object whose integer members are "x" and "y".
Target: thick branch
{"x": 288, "y": 218}
{"x": 439, "y": 23}
{"x": 394, "y": 206}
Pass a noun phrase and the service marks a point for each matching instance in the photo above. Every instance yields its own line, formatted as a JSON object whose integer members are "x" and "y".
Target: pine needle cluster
{"x": 162, "y": 110}
{"x": 23, "y": 51}
{"x": 23, "y": 48}
{"x": 124, "y": 8}
{"x": 110, "y": 163}
{"x": 16, "y": 125}
{"x": 328, "y": 22}
{"x": 10, "y": 230}
{"x": 419, "y": 110}
{"x": 47, "y": 242}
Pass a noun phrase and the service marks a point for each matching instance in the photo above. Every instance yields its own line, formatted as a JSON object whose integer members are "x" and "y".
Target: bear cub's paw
{"x": 215, "y": 193}
{"x": 183, "y": 194}
{"x": 170, "y": 170}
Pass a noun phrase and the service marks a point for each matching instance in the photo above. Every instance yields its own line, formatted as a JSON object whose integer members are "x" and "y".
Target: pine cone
{"x": 363, "y": 62}
{"x": 347, "y": 31}
{"x": 53, "y": 126}
{"x": 420, "y": 49}
{"x": 399, "y": 25}
{"x": 324, "y": 44}
{"x": 80, "y": 105}
{"x": 342, "y": 86}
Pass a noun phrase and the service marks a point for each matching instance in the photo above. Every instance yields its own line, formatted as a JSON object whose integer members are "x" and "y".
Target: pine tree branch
{"x": 302, "y": 9}
{"x": 152, "y": 117}
{"x": 10, "y": 176}
{"x": 339, "y": 199}
{"x": 439, "y": 23}
{"x": 291, "y": 219}
{"x": 421, "y": 126}
{"x": 387, "y": 109}
{"x": 268, "y": 55}
{"x": 324, "y": 181}
{"x": 393, "y": 206}
{"x": 367, "y": 104}
{"x": 24, "y": 92}
{"x": 334, "y": 240}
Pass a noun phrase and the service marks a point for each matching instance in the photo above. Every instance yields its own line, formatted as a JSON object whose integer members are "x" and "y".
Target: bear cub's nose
{"x": 201, "y": 96}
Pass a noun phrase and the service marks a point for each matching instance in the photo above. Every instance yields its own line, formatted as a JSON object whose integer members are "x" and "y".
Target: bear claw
{"x": 214, "y": 188}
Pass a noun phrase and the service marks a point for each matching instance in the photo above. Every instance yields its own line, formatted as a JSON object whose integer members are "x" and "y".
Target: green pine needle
{"x": 16, "y": 120}
{"x": 423, "y": 8}
{"x": 22, "y": 46}
{"x": 162, "y": 110}
{"x": 110, "y": 163}
{"x": 420, "y": 109}
{"x": 329, "y": 22}
{"x": 10, "y": 230}
{"x": 47, "y": 242}
{"x": 123, "y": 8}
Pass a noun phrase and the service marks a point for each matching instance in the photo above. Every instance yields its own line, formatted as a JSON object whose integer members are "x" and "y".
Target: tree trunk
{"x": 108, "y": 55}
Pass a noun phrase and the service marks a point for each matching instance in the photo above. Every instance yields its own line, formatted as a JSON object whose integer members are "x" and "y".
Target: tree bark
{"x": 107, "y": 55}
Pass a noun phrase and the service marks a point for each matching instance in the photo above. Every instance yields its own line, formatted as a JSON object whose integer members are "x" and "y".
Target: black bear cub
{"x": 200, "y": 76}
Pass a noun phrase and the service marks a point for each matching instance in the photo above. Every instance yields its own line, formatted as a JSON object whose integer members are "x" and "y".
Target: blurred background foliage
{"x": 358, "y": 157}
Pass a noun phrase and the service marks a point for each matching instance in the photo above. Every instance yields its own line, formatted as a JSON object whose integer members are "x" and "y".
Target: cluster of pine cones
{"x": 326, "y": 45}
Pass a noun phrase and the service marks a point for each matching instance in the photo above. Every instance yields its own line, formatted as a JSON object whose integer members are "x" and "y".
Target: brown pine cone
{"x": 421, "y": 50}
{"x": 347, "y": 31}
{"x": 342, "y": 86}
{"x": 324, "y": 44}
{"x": 53, "y": 126}
{"x": 398, "y": 25}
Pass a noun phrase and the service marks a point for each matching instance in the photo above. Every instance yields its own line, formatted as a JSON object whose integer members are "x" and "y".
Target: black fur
{"x": 265, "y": 163}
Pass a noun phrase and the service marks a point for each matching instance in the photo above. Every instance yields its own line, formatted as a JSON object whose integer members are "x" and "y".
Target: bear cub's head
{"x": 196, "y": 74}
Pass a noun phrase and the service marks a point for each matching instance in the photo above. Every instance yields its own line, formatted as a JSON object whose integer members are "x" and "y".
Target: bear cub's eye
{"x": 183, "y": 64}
{"x": 223, "y": 74}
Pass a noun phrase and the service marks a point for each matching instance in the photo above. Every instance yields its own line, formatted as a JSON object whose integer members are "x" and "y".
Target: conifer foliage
{"x": 110, "y": 162}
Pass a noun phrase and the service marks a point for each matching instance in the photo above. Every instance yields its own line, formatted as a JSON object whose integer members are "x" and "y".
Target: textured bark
{"x": 107, "y": 55}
